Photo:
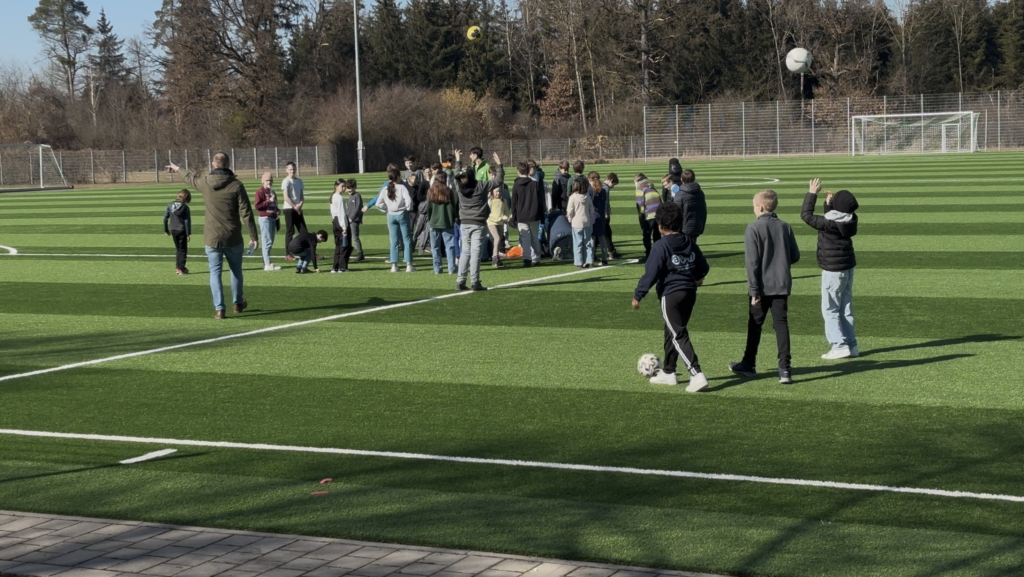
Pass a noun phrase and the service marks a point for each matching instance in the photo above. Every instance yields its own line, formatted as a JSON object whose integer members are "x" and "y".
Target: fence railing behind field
{"x": 813, "y": 127}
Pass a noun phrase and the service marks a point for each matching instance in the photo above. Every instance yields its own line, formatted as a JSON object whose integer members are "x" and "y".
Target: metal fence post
{"x": 510, "y": 152}
{"x": 156, "y": 165}
{"x": 233, "y": 164}
{"x": 209, "y": 159}
{"x": 885, "y": 127}
{"x": 316, "y": 149}
{"x": 92, "y": 167}
{"x": 743, "y": 126}
{"x": 540, "y": 147}
{"x": 255, "y": 165}
{"x": 960, "y": 102}
{"x": 124, "y": 166}
{"x": 778, "y": 132}
{"x": 999, "y": 120}
{"x": 186, "y": 160}
{"x": 812, "y": 128}
{"x": 277, "y": 164}
{"x": 849, "y": 126}
{"x": 677, "y": 131}
{"x": 709, "y": 131}
{"x": 645, "y": 133}
{"x": 297, "y": 163}
{"x": 986, "y": 130}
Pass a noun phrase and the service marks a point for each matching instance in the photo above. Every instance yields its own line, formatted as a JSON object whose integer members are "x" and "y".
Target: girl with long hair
{"x": 442, "y": 216}
{"x": 396, "y": 202}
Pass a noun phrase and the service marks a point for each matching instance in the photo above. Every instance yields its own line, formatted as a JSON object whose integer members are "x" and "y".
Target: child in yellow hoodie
{"x": 496, "y": 221}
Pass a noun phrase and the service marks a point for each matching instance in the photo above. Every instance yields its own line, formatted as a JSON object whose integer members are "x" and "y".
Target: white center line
{"x": 293, "y": 325}
{"x": 531, "y": 464}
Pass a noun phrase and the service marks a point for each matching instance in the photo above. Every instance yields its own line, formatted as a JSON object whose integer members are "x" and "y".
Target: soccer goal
{"x": 30, "y": 167}
{"x": 909, "y": 133}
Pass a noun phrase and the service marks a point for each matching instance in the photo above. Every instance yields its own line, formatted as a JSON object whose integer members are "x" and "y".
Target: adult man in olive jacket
{"x": 227, "y": 205}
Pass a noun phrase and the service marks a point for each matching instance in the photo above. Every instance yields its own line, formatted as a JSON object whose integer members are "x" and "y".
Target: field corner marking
{"x": 9, "y": 249}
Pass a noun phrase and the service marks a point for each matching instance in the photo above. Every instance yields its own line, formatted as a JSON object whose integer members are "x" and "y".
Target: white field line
{"x": 759, "y": 183}
{"x": 193, "y": 255}
{"x": 149, "y": 456}
{"x": 533, "y": 464}
{"x": 293, "y": 325}
{"x": 9, "y": 250}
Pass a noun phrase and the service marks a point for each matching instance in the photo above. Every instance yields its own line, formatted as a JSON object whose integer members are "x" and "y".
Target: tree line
{"x": 282, "y": 72}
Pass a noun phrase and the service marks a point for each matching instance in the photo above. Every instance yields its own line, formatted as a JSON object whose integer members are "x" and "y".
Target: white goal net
{"x": 29, "y": 167}
{"x": 909, "y": 133}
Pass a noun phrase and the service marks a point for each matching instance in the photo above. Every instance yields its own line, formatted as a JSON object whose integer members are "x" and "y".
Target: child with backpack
{"x": 178, "y": 226}
{"x": 580, "y": 213}
{"x": 676, "y": 267}
{"x": 771, "y": 250}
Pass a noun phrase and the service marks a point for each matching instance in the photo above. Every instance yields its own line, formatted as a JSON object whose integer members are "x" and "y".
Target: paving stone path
{"x": 45, "y": 545}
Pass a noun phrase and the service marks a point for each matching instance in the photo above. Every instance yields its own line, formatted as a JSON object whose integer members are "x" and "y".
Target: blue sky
{"x": 20, "y": 45}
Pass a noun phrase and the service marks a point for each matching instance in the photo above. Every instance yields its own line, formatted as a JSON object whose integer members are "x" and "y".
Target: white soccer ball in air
{"x": 648, "y": 365}
{"x": 799, "y": 60}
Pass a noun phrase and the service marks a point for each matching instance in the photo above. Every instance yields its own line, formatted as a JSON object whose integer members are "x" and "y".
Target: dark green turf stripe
{"x": 975, "y": 450}
{"x": 895, "y": 260}
{"x": 875, "y": 316}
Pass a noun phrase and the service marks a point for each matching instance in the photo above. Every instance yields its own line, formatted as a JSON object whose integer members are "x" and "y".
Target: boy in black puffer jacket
{"x": 836, "y": 258}
{"x": 695, "y": 208}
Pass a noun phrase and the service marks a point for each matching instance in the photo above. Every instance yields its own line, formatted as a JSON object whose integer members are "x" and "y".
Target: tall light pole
{"x": 360, "y": 151}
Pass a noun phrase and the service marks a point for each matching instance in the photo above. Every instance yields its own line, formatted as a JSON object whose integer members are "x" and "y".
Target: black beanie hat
{"x": 844, "y": 201}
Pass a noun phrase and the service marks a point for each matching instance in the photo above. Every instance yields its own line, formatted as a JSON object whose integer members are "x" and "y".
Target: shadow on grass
{"x": 338, "y": 308}
{"x": 847, "y": 368}
{"x": 991, "y": 338}
{"x": 93, "y": 468}
{"x": 724, "y": 283}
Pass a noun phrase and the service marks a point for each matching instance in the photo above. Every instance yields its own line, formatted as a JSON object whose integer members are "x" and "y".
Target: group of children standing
{"x": 676, "y": 266}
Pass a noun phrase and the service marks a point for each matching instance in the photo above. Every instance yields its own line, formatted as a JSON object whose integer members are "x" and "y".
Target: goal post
{"x": 929, "y": 132}
{"x": 28, "y": 167}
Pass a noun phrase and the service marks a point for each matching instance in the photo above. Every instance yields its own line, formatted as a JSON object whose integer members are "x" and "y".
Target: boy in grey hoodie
{"x": 771, "y": 249}
{"x": 473, "y": 211}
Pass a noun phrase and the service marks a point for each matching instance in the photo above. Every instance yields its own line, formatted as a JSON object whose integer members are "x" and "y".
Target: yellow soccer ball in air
{"x": 474, "y": 33}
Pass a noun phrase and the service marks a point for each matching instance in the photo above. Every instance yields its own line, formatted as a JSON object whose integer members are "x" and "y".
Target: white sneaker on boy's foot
{"x": 663, "y": 378}
{"x": 410, "y": 268}
{"x": 854, "y": 351}
{"x": 838, "y": 353}
{"x": 698, "y": 383}
{"x": 271, "y": 267}
{"x": 394, "y": 267}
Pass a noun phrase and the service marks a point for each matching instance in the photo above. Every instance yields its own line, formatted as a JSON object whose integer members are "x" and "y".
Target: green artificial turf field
{"x": 541, "y": 371}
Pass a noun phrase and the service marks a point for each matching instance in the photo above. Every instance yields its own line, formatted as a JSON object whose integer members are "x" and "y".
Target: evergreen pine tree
{"x": 108, "y": 63}
{"x": 386, "y": 46}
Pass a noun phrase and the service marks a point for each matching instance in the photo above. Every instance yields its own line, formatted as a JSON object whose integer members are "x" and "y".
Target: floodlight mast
{"x": 360, "y": 151}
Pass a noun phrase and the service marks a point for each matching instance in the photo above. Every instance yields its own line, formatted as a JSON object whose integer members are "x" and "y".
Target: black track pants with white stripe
{"x": 676, "y": 309}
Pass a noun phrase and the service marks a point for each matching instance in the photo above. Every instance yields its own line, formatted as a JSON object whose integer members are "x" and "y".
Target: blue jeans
{"x": 302, "y": 259}
{"x": 398, "y": 224}
{"x": 582, "y": 250}
{"x": 443, "y": 237}
{"x": 268, "y": 230}
{"x": 469, "y": 259}
{"x": 837, "y": 307}
{"x": 233, "y": 255}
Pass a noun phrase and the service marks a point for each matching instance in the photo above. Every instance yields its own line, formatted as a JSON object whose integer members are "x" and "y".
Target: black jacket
{"x": 559, "y": 192}
{"x": 178, "y": 217}
{"x": 303, "y": 241}
{"x": 695, "y": 208}
{"x": 675, "y": 264}
{"x": 527, "y": 200}
{"x": 835, "y": 237}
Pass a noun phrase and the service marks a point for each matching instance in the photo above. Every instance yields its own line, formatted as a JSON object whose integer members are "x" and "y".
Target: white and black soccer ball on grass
{"x": 648, "y": 365}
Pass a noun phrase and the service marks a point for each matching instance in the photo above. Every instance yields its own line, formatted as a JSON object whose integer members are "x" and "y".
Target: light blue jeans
{"x": 216, "y": 256}
{"x": 268, "y": 230}
{"x": 582, "y": 250}
{"x": 400, "y": 230}
{"x": 443, "y": 237}
{"x": 469, "y": 259}
{"x": 837, "y": 307}
{"x": 303, "y": 258}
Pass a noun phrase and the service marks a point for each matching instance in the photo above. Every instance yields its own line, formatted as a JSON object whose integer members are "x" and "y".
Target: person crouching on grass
{"x": 677, "y": 267}
{"x": 303, "y": 248}
{"x": 771, "y": 251}
{"x": 178, "y": 226}
{"x": 340, "y": 225}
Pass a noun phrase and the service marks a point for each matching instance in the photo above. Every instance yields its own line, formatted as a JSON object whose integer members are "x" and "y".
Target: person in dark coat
{"x": 695, "y": 208}
{"x": 837, "y": 260}
{"x": 673, "y": 178}
{"x": 528, "y": 205}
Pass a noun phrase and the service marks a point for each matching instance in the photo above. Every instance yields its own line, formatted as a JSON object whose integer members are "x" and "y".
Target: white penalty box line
{"x": 517, "y": 463}
{"x": 296, "y": 324}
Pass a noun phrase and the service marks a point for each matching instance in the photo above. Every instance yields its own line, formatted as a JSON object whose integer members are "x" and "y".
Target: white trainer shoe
{"x": 394, "y": 267}
{"x": 698, "y": 383}
{"x": 838, "y": 353}
{"x": 854, "y": 351}
{"x": 271, "y": 267}
{"x": 410, "y": 268}
{"x": 663, "y": 378}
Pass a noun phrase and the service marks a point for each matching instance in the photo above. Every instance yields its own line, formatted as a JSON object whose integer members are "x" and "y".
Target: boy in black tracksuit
{"x": 303, "y": 247}
{"x": 677, "y": 267}
{"x": 771, "y": 250}
{"x": 178, "y": 226}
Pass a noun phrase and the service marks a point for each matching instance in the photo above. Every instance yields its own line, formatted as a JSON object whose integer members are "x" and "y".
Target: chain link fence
{"x": 813, "y": 127}
{"x": 148, "y": 166}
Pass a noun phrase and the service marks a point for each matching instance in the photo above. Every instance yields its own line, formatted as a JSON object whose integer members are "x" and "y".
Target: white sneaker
{"x": 394, "y": 267}
{"x": 838, "y": 353}
{"x": 557, "y": 255}
{"x": 410, "y": 268}
{"x": 271, "y": 267}
{"x": 698, "y": 383}
{"x": 663, "y": 378}
{"x": 854, "y": 351}
{"x": 335, "y": 271}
